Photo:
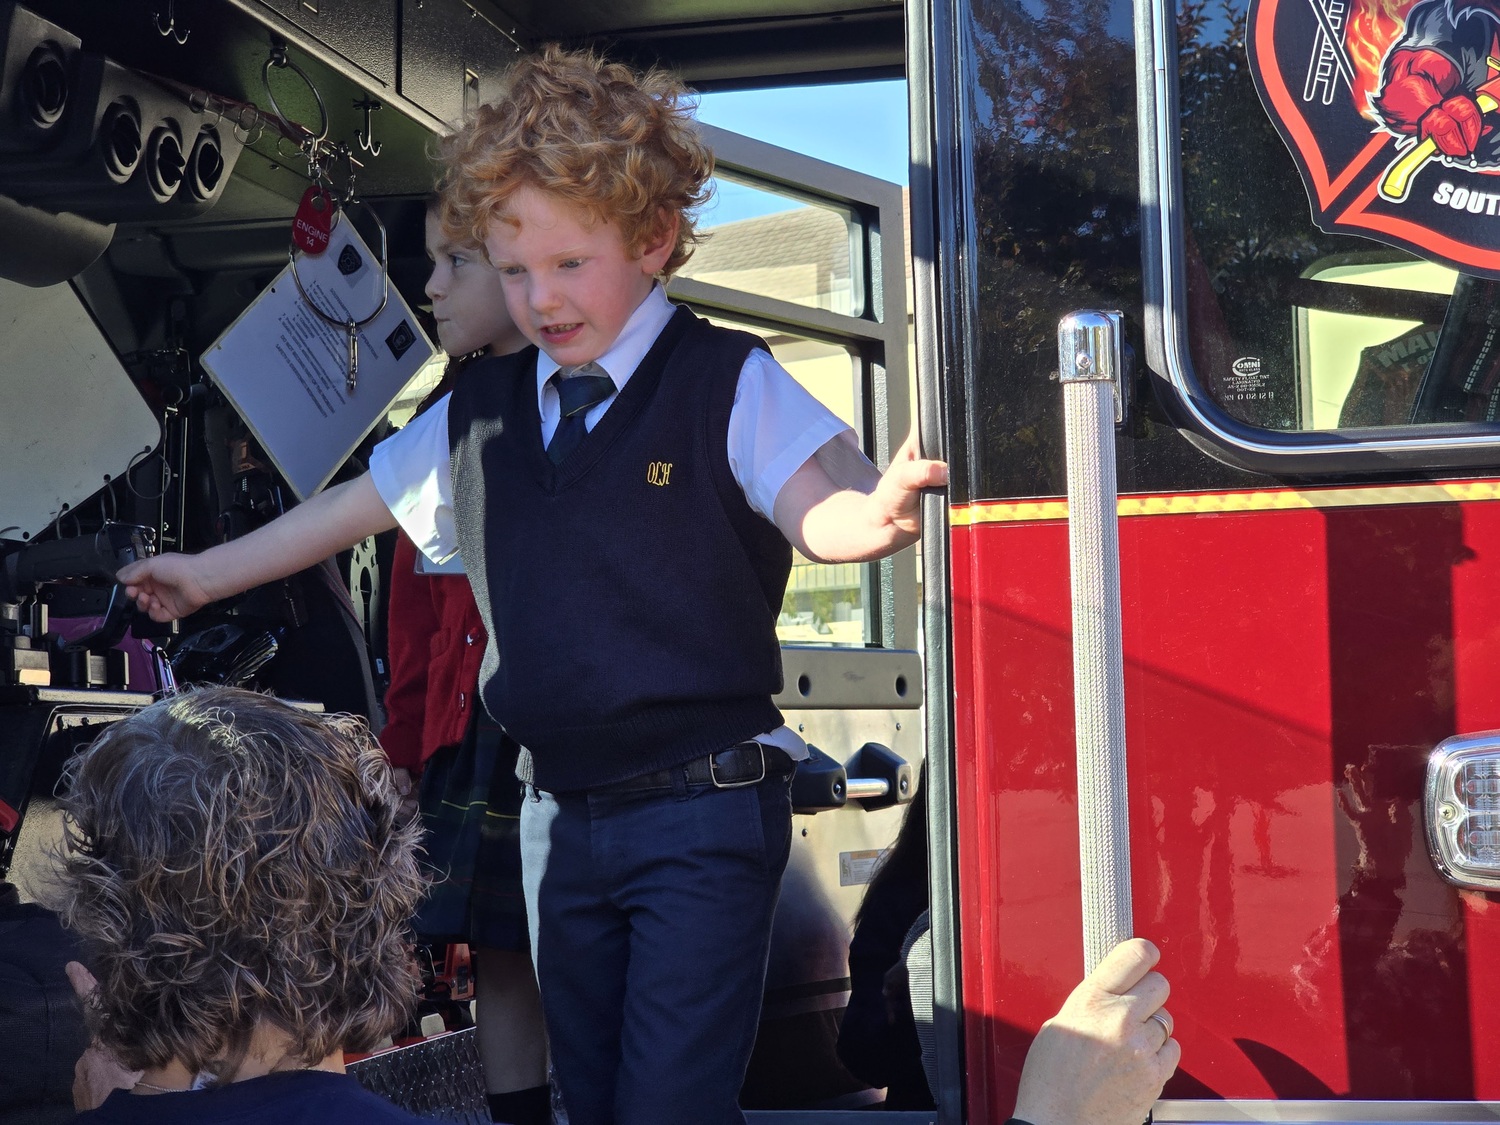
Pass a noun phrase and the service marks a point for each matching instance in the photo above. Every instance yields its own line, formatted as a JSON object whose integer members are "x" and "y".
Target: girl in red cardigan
{"x": 436, "y": 731}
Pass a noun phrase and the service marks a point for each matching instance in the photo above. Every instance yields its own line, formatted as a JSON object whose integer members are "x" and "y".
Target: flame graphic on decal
{"x": 1373, "y": 26}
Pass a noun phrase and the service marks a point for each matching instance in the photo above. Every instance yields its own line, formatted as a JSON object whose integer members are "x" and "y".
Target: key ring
{"x": 144, "y": 458}
{"x": 349, "y": 325}
{"x": 278, "y": 58}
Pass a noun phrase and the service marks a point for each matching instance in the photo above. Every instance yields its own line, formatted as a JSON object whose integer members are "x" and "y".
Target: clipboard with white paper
{"x": 284, "y": 368}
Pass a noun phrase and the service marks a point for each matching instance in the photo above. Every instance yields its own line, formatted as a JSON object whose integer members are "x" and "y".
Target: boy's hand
{"x": 97, "y": 1073}
{"x": 899, "y": 492}
{"x": 166, "y": 587}
{"x": 1103, "y": 1058}
{"x": 832, "y": 512}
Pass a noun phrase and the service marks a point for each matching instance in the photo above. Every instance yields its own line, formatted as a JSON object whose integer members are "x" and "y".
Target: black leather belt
{"x": 744, "y": 763}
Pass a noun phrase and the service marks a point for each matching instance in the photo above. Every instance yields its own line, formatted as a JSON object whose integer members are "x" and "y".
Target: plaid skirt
{"x": 470, "y": 804}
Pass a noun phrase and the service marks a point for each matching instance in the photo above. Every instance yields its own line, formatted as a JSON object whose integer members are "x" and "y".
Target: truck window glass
{"x": 421, "y": 385}
{"x": 778, "y": 245}
{"x": 798, "y": 251}
{"x": 825, "y": 603}
{"x": 1288, "y": 327}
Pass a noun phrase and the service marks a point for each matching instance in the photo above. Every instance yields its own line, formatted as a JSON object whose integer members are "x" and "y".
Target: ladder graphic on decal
{"x": 1328, "y": 57}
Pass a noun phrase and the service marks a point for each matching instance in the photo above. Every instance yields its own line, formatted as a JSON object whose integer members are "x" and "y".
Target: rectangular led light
{"x": 1463, "y": 809}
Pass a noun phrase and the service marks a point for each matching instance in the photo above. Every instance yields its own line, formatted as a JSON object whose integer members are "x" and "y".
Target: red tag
{"x": 314, "y": 220}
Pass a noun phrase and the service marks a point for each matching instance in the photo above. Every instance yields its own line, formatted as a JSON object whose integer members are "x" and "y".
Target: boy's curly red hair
{"x": 614, "y": 141}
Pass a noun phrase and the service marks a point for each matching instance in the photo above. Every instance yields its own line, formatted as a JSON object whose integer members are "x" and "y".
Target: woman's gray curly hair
{"x": 232, "y": 861}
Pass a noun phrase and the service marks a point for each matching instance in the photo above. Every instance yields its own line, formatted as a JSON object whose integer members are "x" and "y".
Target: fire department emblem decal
{"x": 1391, "y": 109}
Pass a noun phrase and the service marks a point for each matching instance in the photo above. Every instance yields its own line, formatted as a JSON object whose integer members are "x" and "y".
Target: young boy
{"x": 240, "y": 879}
{"x": 626, "y": 499}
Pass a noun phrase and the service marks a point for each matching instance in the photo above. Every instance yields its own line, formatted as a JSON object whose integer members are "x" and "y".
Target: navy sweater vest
{"x": 631, "y": 593}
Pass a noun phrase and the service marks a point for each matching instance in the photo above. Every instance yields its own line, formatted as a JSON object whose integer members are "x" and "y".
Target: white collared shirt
{"x": 619, "y": 363}
{"x": 775, "y": 426}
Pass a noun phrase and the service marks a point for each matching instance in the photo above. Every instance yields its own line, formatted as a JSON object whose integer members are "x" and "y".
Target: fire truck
{"x": 1191, "y": 279}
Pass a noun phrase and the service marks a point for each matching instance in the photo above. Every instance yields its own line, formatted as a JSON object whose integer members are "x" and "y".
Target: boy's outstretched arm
{"x": 831, "y": 517}
{"x": 171, "y": 586}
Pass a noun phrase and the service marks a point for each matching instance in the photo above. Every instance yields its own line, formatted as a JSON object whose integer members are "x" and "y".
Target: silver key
{"x": 353, "y": 374}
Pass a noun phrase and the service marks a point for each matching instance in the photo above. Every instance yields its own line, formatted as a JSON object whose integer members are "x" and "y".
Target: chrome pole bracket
{"x": 1091, "y": 349}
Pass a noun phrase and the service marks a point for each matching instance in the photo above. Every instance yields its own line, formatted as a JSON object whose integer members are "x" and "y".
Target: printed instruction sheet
{"x": 284, "y": 367}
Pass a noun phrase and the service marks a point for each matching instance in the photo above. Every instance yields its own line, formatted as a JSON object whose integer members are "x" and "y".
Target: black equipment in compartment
{"x": 56, "y": 692}
{"x": 40, "y": 727}
{"x": 81, "y": 133}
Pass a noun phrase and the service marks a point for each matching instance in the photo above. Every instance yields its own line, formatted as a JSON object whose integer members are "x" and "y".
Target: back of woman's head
{"x": 230, "y": 862}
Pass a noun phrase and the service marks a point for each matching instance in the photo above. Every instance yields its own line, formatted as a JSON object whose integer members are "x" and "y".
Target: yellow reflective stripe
{"x": 1008, "y": 511}
{"x": 1204, "y": 503}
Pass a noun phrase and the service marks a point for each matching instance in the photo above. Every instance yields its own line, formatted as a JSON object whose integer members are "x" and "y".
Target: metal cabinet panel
{"x": 363, "y": 31}
{"x": 452, "y": 57}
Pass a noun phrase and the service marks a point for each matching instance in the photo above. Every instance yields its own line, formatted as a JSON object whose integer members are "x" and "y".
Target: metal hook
{"x": 170, "y": 31}
{"x": 199, "y": 101}
{"x": 366, "y": 136}
{"x": 352, "y": 165}
{"x": 66, "y": 510}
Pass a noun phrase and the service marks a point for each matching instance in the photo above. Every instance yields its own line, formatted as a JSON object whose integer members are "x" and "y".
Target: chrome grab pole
{"x": 1090, "y": 358}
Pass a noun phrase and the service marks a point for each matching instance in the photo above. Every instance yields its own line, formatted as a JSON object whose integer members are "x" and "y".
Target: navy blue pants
{"x": 650, "y": 928}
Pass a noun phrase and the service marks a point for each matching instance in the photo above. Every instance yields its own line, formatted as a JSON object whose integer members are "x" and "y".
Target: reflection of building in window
{"x": 804, "y": 256}
{"x": 427, "y": 377}
{"x": 824, "y": 604}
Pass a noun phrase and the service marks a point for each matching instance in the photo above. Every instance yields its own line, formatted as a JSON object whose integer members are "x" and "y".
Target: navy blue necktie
{"x": 578, "y": 389}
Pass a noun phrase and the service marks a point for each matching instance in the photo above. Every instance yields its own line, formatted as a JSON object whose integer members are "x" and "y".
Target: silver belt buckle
{"x": 713, "y": 769}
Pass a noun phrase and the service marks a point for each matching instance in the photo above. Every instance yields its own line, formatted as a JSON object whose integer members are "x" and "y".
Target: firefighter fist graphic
{"x": 1438, "y": 81}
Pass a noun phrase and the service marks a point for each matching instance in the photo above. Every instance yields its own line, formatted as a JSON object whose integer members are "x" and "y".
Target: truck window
{"x": 825, "y": 603}
{"x": 781, "y": 245}
{"x": 793, "y": 248}
{"x": 802, "y": 271}
{"x": 1345, "y": 327}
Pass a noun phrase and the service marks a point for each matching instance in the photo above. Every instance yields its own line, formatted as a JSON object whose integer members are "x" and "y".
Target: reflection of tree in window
{"x": 1057, "y": 218}
{"x": 1051, "y": 115}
